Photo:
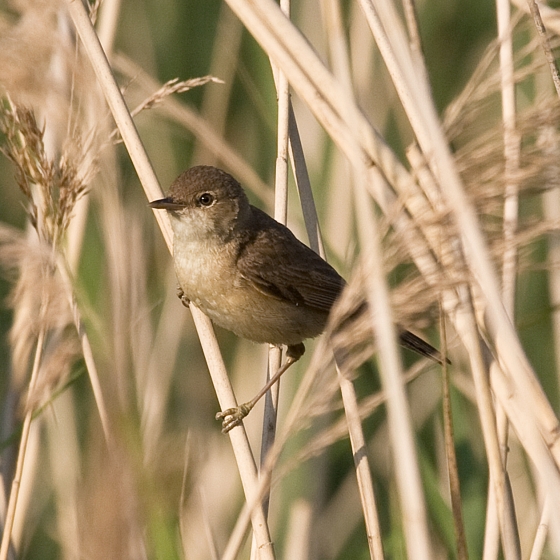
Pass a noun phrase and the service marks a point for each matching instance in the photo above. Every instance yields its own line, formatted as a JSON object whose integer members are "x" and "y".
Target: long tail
{"x": 416, "y": 344}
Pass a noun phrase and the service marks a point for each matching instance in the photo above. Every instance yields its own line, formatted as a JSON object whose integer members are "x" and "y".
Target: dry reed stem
{"x": 339, "y": 54}
{"x": 548, "y": 14}
{"x": 551, "y": 208}
{"x": 363, "y": 472}
{"x": 279, "y": 40}
{"x": 490, "y": 416}
{"x": 106, "y": 29}
{"x": 298, "y": 534}
{"x": 270, "y": 415}
{"x": 451, "y": 456}
{"x": 541, "y": 534}
{"x": 400, "y": 428}
{"x": 244, "y": 457}
{"x": 16, "y": 481}
{"x": 511, "y": 154}
{"x": 509, "y": 261}
{"x": 468, "y": 223}
{"x": 545, "y": 44}
{"x": 107, "y": 23}
{"x": 411, "y": 17}
{"x": 280, "y": 214}
{"x": 303, "y": 183}
{"x": 87, "y": 353}
{"x": 487, "y": 416}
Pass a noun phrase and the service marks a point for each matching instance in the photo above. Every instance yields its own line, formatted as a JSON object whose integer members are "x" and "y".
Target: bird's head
{"x": 205, "y": 201}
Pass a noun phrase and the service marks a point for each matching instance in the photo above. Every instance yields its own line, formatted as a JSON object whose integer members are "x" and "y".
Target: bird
{"x": 249, "y": 273}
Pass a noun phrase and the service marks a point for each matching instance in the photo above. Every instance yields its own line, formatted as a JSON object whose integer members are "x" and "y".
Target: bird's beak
{"x": 166, "y": 204}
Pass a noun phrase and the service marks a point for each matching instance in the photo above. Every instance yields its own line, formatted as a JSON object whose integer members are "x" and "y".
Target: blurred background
{"x": 172, "y": 490}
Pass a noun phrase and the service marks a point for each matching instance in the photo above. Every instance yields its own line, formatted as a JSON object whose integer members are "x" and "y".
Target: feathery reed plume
{"x": 170, "y": 87}
{"x": 42, "y": 306}
{"x": 41, "y": 300}
{"x": 52, "y": 188}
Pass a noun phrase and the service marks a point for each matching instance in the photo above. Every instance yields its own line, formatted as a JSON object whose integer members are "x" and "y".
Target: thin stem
{"x": 511, "y": 155}
{"x": 542, "y": 532}
{"x": 119, "y": 110}
{"x": 455, "y": 488}
{"x": 270, "y": 416}
{"x": 411, "y": 16}
{"x": 107, "y": 23}
{"x": 509, "y": 261}
{"x": 545, "y": 44}
{"x": 16, "y": 482}
{"x": 341, "y": 63}
{"x": 87, "y": 353}
{"x": 361, "y": 463}
{"x": 240, "y": 443}
{"x": 303, "y": 182}
{"x": 405, "y": 461}
{"x": 107, "y": 26}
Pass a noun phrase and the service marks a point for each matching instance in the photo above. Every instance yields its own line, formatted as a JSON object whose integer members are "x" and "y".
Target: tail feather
{"x": 416, "y": 344}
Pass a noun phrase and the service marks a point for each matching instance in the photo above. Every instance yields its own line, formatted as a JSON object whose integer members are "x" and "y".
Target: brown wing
{"x": 280, "y": 266}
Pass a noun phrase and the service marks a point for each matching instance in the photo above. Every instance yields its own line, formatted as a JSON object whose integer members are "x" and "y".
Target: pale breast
{"x": 205, "y": 273}
{"x": 209, "y": 278}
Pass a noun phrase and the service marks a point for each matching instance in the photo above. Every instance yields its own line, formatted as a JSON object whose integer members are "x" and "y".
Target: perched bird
{"x": 248, "y": 272}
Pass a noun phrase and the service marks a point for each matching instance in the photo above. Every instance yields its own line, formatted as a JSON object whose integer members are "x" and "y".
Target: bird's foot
{"x": 181, "y": 295}
{"x": 234, "y": 416}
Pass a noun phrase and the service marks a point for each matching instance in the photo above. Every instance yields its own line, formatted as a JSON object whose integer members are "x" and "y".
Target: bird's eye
{"x": 206, "y": 199}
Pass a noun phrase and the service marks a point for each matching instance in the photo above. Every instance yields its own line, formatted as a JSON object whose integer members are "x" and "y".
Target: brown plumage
{"x": 247, "y": 271}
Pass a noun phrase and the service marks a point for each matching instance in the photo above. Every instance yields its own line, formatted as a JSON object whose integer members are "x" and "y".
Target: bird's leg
{"x": 233, "y": 416}
{"x": 181, "y": 295}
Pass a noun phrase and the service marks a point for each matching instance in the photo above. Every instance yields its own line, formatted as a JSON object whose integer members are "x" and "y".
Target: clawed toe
{"x": 233, "y": 416}
{"x": 181, "y": 295}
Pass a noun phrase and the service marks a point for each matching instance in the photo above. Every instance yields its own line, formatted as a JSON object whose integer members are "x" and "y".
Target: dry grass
{"x": 107, "y": 411}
